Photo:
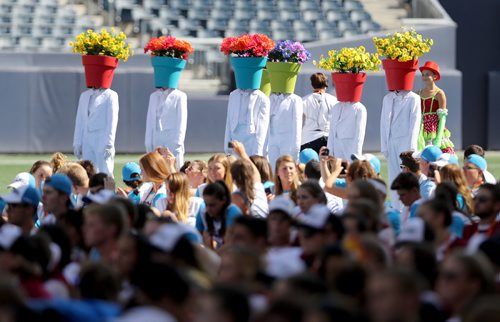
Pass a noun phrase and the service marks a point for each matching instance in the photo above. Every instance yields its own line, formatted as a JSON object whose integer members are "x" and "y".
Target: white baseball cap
{"x": 22, "y": 179}
{"x": 316, "y": 217}
{"x": 282, "y": 203}
{"x": 167, "y": 236}
{"x": 8, "y": 235}
{"x": 100, "y": 197}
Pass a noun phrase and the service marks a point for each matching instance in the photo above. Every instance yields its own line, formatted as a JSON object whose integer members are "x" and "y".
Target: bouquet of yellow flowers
{"x": 403, "y": 46}
{"x": 349, "y": 60}
{"x": 102, "y": 44}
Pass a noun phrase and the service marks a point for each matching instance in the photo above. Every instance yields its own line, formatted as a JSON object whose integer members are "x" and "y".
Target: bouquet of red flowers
{"x": 168, "y": 46}
{"x": 257, "y": 45}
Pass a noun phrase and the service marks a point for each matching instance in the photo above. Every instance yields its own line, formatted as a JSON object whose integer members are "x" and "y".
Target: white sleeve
{"x": 262, "y": 122}
{"x": 383, "y": 127}
{"x": 415, "y": 119}
{"x": 229, "y": 121}
{"x": 361, "y": 117}
{"x": 297, "y": 125}
{"x": 331, "y": 133}
{"x": 112, "y": 118}
{"x": 182, "y": 115}
{"x": 80, "y": 119}
{"x": 150, "y": 123}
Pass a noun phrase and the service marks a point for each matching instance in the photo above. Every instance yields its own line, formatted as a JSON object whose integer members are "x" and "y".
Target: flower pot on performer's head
{"x": 283, "y": 76}
{"x": 167, "y": 71}
{"x": 248, "y": 71}
{"x": 265, "y": 84}
{"x": 400, "y": 75}
{"x": 349, "y": 86}
{"x": 99, "y": 70}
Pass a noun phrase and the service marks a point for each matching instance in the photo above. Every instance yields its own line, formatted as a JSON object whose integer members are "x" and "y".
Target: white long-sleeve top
{"x": 347, "y": 129}
{"x": 166, "y": 120}
{"x": 97, "y": 116}
{"x": 400, "y": 121}
{"x": 317, "y": 114}
{"x": 247, "y": 120}
{"x": 285, "y": 128}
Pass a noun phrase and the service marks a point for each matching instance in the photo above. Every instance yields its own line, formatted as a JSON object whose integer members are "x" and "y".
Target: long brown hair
{"x": 178, "y": 184}
{"x": 38, "y": 164}
{"x": 242, "y": 174}
{"x": 277, "y": 181}
{"x": 453, "y": 173}
{"x": 222, "y": 159}
{"x": 361, "y": 170}
{"x": 155, "y": 166}
{"x": 264, "y": 167}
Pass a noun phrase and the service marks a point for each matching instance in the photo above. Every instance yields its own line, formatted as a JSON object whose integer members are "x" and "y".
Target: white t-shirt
{"x": 317, "y": 111}
{"x": 194, "y": 206}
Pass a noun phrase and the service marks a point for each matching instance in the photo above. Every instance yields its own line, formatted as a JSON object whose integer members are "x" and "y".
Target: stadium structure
{"x": 41, "y": 79}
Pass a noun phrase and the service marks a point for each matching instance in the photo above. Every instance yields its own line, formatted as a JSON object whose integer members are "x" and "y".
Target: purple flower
{"x": 289, "y": 51}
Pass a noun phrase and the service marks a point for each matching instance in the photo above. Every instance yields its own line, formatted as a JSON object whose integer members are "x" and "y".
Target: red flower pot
{"x": 99, "y": 70}
{"x": 349, "y": 87}
{"x": 400, "y": 76}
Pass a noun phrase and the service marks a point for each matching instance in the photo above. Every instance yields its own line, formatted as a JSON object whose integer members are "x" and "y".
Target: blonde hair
{"x": 57, "y": 161}
{"x": 277, "y": 181}
{"x": 76, "y": 173}
{"x": 222, "y": 159}
{"x": 453, "y": 173}
{"x": 242, "y": 173}
{"x": 155, "y": 166}
{"x": 178, "y": 184}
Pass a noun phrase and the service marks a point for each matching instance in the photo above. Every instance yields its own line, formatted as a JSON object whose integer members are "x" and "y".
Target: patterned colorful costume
{"x": 432, "y": 129}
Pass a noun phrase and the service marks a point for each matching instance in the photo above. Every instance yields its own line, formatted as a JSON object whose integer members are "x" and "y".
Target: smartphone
{"x": 325, "y": 152}
{"x": 344, "y": 164}
{"x": 432, "y": 168}
{"x": 268, "y": 190}
{"x": 230, "y": 145}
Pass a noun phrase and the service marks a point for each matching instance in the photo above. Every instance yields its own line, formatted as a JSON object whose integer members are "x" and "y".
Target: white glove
{"x": 77, "y": 151}
{"x": 109, "y": 152}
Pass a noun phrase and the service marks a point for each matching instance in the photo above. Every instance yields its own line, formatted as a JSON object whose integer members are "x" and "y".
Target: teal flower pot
{"x": 248, "y": 71}
{"x": 167, "y": 71}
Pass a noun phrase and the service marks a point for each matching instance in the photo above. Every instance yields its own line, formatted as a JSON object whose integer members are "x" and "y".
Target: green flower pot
{"x": 265, "y": 83}
{"x": 283, "y": 76}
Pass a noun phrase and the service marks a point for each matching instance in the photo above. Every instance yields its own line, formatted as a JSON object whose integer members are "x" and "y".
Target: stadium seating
{"x": 50, "y": 24}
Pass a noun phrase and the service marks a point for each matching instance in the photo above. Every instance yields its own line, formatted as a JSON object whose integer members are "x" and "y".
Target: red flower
{"x": 246, "y": 45}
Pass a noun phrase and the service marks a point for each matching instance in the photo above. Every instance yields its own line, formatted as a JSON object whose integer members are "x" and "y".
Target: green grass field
{"x": 11, "y": 164}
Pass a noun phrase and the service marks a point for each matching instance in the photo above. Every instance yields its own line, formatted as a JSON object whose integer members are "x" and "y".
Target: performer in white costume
{"x": 285, "y": 127}
{"x": 399, "y": 129}
{"x": 247, "y": 120}
{"x": 347, "y": 129}
{"x": 167, "y": 121}
{"x": 95, "y": 128}
{"x": 318, "y": 107}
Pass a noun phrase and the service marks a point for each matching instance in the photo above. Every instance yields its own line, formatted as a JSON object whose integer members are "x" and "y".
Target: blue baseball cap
{"x": 129, "y": 169}
{"x": 445, "y": 159}
{"x": 478, "y": 161}
{"x": 60, "y": 182}
{"x": 430, "y": 153}
{"x": 23, "y": 195}
{"x": 307, "y": 155}
{"x": 374, "y": 161}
